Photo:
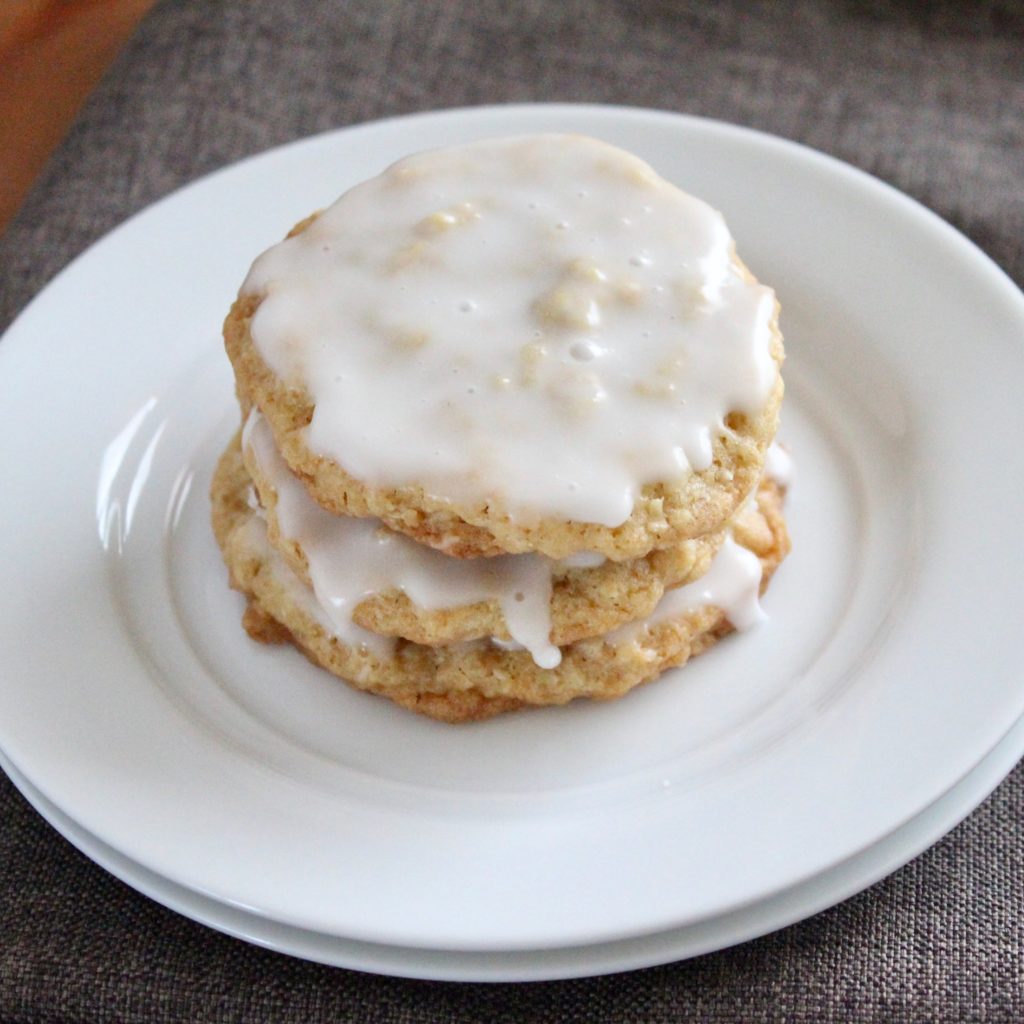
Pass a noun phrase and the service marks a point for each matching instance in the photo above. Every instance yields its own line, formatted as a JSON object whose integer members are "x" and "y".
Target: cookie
{"x": 481, "y": 678}
{"x": 530, "y": 344}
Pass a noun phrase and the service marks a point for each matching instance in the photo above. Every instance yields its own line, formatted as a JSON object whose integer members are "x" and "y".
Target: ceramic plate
{"x": 131, "y": 699}
{"x": 764, "y": 916}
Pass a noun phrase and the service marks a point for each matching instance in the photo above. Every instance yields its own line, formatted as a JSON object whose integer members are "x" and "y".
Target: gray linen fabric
{"x": 930, "y": 97}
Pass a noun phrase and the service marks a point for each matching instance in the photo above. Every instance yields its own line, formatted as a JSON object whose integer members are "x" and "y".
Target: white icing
{"x": 541, "y": 323}
{"x": 778, "y": 464}
{"x": 732, "y": 583}
{"x": 253, "y": 535}
{"x": 583, "y": 560}
{"x": 351, "y": 559}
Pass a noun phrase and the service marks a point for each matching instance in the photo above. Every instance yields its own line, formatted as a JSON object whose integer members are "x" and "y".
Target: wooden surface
{"x": 52, "y": 54}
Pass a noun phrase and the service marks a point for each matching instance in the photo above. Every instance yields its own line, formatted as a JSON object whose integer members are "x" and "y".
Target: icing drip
{"x": 778, "y": 464}
{"x": 732, "y": 583}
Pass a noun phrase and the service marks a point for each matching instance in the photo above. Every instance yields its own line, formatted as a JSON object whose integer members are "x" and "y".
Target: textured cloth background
{"x": 928, "y": 97}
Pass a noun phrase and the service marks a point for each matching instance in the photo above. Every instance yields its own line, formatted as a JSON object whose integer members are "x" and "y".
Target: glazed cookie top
{"x": 540, "y": 324}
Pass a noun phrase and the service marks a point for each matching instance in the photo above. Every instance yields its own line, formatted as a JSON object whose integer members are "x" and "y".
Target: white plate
{"x": 801, "y": 901}
{"x": 133, "y": 701}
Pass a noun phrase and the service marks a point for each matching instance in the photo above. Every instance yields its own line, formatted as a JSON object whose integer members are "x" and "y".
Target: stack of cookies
{"x": 507, "y": 410}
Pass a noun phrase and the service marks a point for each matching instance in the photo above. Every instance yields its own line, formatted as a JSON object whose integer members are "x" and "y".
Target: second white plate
{"x": 784, "y": 908}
